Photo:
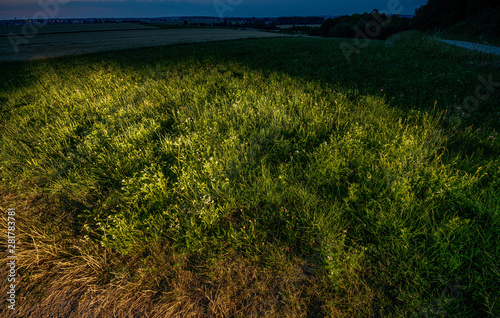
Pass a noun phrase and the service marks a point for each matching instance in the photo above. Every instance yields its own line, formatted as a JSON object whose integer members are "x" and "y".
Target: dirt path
{"x": 475, "y": 46}
{"x": 71, "y": 43}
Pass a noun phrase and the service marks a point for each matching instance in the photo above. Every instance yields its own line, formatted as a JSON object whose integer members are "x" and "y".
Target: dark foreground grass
{"x": 254, "y": 178}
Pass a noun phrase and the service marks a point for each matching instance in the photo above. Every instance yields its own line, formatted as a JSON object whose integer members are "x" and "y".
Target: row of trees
{"x": 474, "y": 17}
{"x": 376, "y": 24}
{"x": 469, "y": 17}
{"x": 299, "y": 20}
{"x": 445, "y": 13}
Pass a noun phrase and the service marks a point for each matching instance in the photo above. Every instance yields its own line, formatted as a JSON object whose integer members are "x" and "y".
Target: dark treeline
{"x": 474, "y": 17}
{"x": 299, "y": 20}
{"x": 471, "y": 18}
{"x": 375, "y": 25}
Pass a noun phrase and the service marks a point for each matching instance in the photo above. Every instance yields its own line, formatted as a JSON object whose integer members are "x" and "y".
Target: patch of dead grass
{"x": 62, "y": 275}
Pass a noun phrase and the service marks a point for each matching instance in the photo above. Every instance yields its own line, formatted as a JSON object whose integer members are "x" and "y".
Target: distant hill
{"x": 299, "y": 20}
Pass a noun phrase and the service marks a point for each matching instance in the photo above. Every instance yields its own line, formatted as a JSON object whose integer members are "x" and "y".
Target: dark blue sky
{"x": 10, "y": 9}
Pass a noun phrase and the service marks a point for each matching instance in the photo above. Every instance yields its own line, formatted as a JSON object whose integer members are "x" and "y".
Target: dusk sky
{"x": 10, "y": 9}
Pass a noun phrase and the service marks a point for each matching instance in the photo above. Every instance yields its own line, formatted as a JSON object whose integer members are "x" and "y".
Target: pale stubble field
{"x": 62, "y": 40}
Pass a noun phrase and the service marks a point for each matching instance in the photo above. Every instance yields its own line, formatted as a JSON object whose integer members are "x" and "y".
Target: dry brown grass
{"x": 62, "y": 275}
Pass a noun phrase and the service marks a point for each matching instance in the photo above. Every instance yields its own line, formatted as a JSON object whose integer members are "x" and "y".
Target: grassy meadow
{"x": 255, "y": 178}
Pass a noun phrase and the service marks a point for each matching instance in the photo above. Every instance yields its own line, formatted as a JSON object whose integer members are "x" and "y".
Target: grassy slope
{"x": 266, "y": 177}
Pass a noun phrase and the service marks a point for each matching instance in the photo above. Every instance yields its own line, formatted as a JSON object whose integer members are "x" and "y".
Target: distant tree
{"x": 299, "y": 20}
{"x": 374, "y": 25}
{"x": 326, "y": 26}
{"x": 444, "y": 13}
{"x": 185, "y": 22}
{"x": 314, "y": 32}
{"x": 342, "y": 30}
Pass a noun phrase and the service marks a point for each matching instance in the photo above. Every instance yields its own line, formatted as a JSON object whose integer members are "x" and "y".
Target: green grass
{"x": 266, "y": 177}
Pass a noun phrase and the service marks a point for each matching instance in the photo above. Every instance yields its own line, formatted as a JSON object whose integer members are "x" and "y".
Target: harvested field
{"x": 80, "y": 42}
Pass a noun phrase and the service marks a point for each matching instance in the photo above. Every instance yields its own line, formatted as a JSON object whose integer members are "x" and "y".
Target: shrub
{"x": 342, "y": 30}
